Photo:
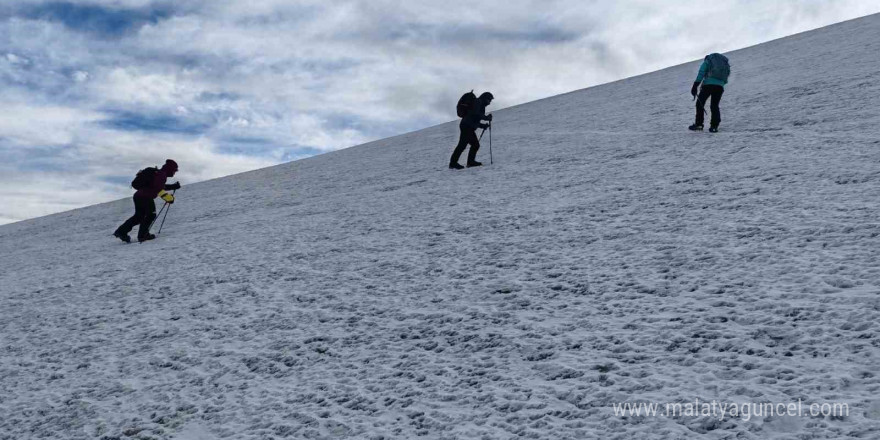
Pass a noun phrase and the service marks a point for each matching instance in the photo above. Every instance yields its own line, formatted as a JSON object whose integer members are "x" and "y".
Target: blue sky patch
{"x": 131, "y": 121}
{"x": 43, "y": 159}
{"x": 245, "y": 146}
{"x": 218, "y": 96}
{"x": 102, "y": 21}
{"x": 537, "y": 33}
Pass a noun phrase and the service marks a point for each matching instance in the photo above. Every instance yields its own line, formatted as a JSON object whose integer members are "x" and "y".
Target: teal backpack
{"x": 719, "y": 67}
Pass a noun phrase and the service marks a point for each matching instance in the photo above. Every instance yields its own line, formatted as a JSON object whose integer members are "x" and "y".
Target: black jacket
{"x": 475, "y": 116}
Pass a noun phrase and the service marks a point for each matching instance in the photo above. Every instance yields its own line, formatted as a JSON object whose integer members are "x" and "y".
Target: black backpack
{"x": 465, "y": 103}
{"x": 144, "y": 178}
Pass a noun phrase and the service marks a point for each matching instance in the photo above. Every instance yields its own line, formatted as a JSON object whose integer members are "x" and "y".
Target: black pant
{"x": 468, "y": 136}
{"x": 715, "y": 92}
{"x": 144, "y": 214}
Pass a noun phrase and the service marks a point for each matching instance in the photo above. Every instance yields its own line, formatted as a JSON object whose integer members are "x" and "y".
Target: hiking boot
{"x": 474, "y": 164}
{"x": 148, "y": 237}
{"x": 695, "y": 127}
{"x": 455, "y": 166}
{"x": 713, "y": 129}
{"x": 124, "y": 237}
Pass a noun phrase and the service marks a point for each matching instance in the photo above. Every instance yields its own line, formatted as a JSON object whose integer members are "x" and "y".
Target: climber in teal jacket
{"x": 713, "y": 76}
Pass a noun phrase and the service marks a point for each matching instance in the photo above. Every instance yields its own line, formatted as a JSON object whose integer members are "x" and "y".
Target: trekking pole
{"x": 163, "y": 221}
{"x": 166, "y": 213}
{"x": 490, "y": 145}
{"x": 157, "y": 215}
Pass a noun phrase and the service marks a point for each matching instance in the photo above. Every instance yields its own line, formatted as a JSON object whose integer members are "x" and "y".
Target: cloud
{"x": 225, "y": 86}
{"x": 57, "y": 124}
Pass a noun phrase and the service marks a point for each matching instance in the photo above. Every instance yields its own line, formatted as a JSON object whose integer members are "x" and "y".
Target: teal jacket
{"x": 701, "y": 77}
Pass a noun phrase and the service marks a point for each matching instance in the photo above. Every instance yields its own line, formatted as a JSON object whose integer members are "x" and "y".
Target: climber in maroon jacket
{"x": 148, "y": 188}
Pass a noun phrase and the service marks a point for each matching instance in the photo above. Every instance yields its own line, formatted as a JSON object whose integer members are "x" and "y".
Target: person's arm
{"x": 483, "y": 117}
{"x": 702, "y": 73}
{"x": 158, "y": 183}
{"x": 172, "y": 187}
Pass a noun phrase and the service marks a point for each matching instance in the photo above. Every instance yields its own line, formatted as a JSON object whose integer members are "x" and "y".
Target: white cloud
{"x": 283, "y": 75}
{"x": 131, "y": 86}
{"x": 39, "y": 125}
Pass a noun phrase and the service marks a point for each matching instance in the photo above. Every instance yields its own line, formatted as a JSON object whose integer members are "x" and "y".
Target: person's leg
{"x": 717, "y": 91}
{"x": 701, "y": 104}
{"x": 462, "y": 144}
{"x": 148, "y": 207}
{"x": 126, "y": 227}
{"x": 475, "y": 146}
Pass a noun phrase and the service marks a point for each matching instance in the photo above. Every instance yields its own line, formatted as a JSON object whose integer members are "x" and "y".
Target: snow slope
{"x": 608, "y": 256}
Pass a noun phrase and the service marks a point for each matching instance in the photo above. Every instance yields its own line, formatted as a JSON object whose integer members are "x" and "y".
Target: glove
{"x": 484, "y": 126}
{"x": 488, "y": 117}
{"x": 694, "y": 89}
{"x": 167, "y": 197}
{"x": 173, "y": 186}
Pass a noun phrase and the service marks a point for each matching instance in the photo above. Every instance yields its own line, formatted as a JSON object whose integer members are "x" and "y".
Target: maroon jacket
{"x": 158, "y": 184}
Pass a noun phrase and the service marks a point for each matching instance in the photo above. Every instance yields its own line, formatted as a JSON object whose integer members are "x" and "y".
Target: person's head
{"x": 170, "y": 167}
{"x": 487, "y": 98}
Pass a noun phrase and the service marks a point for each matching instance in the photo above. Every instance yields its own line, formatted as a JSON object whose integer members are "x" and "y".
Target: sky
{"x": 91, "y": 91}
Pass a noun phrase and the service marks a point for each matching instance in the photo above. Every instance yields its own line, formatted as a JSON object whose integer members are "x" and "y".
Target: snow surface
{"x": 608, "y": 256}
